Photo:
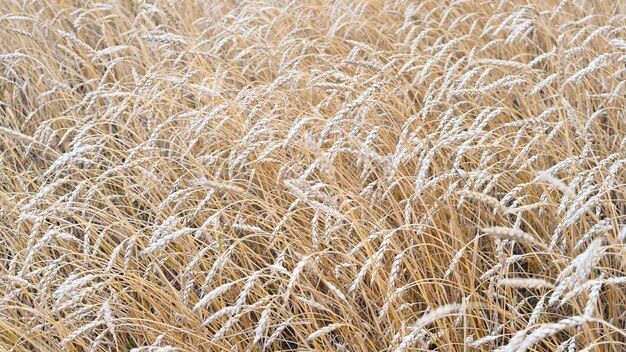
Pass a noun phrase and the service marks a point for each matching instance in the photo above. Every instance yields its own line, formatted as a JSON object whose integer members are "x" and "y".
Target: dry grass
{"x": 180, "y": 175}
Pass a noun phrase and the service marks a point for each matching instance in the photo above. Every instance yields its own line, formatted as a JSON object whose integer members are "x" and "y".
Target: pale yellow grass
{"x": 180, "y": 175}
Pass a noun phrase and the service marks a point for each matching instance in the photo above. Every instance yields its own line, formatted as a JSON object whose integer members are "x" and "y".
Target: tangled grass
{"x": 180, "y": 175}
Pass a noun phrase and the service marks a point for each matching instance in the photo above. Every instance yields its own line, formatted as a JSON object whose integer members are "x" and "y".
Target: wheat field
{"x": 328, "y": 175}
